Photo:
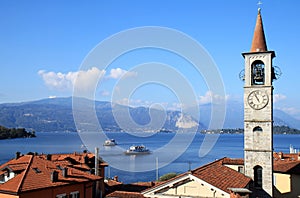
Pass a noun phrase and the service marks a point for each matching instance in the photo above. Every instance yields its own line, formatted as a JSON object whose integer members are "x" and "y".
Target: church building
{"x": 262, "y": 173}
{"x": 258, "y": 112}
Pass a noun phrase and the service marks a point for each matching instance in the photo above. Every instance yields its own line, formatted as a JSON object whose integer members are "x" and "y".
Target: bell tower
{"x": 258, "y": 112}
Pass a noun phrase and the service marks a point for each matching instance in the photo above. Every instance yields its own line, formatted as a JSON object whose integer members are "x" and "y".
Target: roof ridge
{"x": 74, "y": 153}
{"x": 26, "y": 171}
{"x": 206, "y": 165}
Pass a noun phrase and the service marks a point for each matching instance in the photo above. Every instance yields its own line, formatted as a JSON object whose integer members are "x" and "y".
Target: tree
{"x": 167, "y": 176}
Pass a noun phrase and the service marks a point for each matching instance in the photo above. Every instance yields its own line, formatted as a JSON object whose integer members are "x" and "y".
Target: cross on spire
{"x": 259, "y": 4}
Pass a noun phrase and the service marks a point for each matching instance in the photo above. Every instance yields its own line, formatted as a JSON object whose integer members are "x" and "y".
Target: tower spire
{"x": 259, "y": 40}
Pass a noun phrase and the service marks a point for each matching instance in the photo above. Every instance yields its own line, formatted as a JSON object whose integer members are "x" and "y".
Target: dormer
{"x": 6, "y": 174}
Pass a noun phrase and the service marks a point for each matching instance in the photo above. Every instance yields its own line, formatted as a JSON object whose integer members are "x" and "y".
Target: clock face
{"x": 258, "y": 99}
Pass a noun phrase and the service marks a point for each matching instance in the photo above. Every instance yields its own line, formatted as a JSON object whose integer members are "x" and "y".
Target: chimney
{"x": 86, "y": 159}
{"x": 116, "y": 178}
{"x": 18, "y": 154}
{"x": 49, "y": 156}
{"x": 65, "y": 172}
{"x": 54, "y": 176}
{"x": 280, "y": 155}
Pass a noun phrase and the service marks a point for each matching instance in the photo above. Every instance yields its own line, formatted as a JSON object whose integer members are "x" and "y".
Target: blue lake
{"x": 171, "y": 153}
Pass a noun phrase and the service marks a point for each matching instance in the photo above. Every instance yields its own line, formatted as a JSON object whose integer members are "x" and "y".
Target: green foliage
{"x": 7, "y": 133}
{"x": 167, "y": 176}
{"x": 285, "y": 130}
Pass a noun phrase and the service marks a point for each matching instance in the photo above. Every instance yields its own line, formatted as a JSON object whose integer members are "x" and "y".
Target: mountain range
{"x": 56, "y": 114}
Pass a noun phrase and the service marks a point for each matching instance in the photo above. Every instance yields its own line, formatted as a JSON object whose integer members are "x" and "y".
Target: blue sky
{"x": 43, "y": 44}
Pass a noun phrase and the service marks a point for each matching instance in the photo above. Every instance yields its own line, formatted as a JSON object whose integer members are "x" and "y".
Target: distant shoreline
{"x": 278, "y": 130}
{"x": 12, "y": 133}
{"x": 281, "y": 130}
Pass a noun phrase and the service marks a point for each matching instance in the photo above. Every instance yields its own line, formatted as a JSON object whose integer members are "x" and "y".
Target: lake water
{"x": 171, "y": 153}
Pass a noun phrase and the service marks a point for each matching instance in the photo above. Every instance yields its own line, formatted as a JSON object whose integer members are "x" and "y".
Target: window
{"x": 240, "y": 169}
{"x": 61, "y": 195}
{"x": 258, "y": 176}
{"x": 258, "y": 73}
{"x": 36, "y": 170}
{"x": 74, "y": 194}
{"x": 257, "y": 129}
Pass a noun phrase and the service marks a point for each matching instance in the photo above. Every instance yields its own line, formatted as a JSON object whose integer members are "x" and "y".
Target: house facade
{"x": 211, "y": 180}
{"x": 286, "y": 174}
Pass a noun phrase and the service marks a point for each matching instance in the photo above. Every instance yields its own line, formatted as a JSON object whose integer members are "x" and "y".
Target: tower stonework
{"x": 258, "y": 112}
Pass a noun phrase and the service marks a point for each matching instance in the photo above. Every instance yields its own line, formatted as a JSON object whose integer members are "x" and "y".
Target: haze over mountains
{"x": 56, "y": 115}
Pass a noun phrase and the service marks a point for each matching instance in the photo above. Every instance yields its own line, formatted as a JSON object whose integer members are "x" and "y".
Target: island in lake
{"x": 8, "y": 133}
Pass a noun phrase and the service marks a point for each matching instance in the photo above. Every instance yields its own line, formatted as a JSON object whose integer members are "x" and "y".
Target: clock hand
{"x": 256, "y": 97}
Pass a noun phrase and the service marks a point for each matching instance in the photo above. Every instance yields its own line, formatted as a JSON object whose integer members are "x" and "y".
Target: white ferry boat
{"x": 136, "y": 150}
{"x": 110, "y": 142}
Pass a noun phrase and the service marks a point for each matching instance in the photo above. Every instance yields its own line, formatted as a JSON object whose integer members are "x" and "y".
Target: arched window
{"x": 257, "y": 129}
{"x": 258, "y": 176}
{"x": 258, "y": 73}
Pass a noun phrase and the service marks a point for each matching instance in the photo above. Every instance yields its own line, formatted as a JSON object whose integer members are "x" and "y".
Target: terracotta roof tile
{"x": 286, "y": 156}
{"x": 221, "y": 176}
{"x": 216, "y": 174}
{"x": 37, "y": 175}
{"x": 112, "y": 182}
{"x": 17, "y": 164}
{"x": 125, "y": 194}
{"x": 42, "y": 179}
{"x": 78, "y": 158}
{"x": 287, "y": 166}
{"x": 232, "y": 161}
{"x": 12, "y": 185}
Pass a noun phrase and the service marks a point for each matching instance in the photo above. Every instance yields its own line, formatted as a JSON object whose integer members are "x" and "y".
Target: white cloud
{"x": 210, "y": 97}
{"x": 83, "y": 79}
{"x": 104, "y": 93}
{"x": 87, "y": 80}
{"x": 134, "y": 103}
{"x": 61, "y": 81}
{"x": 278, "y": 97}
{"x": 118, "y": 73}
{"x": 293, "y": 111}
{"x": 290, "y": 110}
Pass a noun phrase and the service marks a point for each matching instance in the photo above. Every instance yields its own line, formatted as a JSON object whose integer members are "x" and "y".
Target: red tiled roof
{"x": 286, "y": 156}
{"x": 216, "y": 174}
{"x": 282, "y": 162}
{"x": 112, "y": 182}
{"x": 125, "y": 194}
{"x": 287, "y": 167}
{"x": 76, "y": 157}
{"x": 37, "y": 175}
{"x": 286, "y": 163}
{"x": 13, "y": 185}
{"x": 232, "y": 161}
{"x": 221, "y": 176}
{"x": 17, "y": 164}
